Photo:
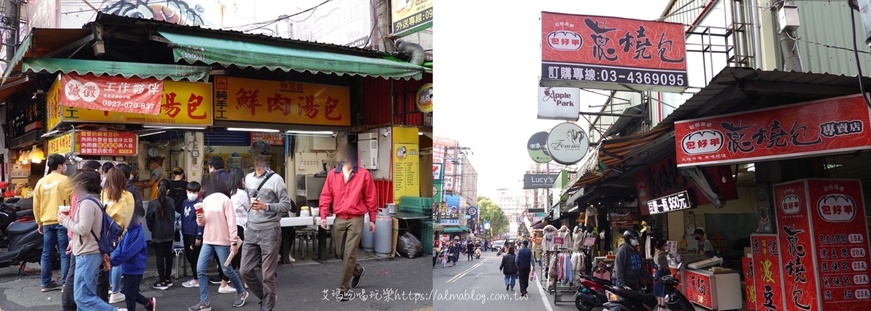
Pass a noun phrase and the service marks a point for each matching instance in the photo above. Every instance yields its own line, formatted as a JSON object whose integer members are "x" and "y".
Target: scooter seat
{"x": 17, "y": 228}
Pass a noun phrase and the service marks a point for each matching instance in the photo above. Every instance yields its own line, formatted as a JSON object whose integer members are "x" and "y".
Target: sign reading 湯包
{"x": 263, "y": 101}
{"x": 61, "y": 145}
{"x": 827, "y": 126}
{"x": 559, "y": 103}
{"x": 673, "y": 202}
{"x": 766, "y": 270}
{"x": 410, "y": 16}
{"x": 274, "y": 139}
{"x": 424, "y": 98}
{"x": 437, "y": 171}
{"x": 537, "y": 148}
{"x": 181, "y": 104}
{"x": 118, "y": 94}
{"x": 102, "y": 143}
{"x": 406, "y": 162}
{"x": 609, "y": 52}
{"x": 539, "y": 181}
{"x": 823, "y": 232}
{"x": 567, "y": 143}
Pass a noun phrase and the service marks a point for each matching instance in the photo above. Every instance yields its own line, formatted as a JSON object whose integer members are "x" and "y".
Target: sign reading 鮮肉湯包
{"x": 181, "y": 104}
{"x": 539, "y": 181}
{"x": 567, "y": 143}
{"x": 827, "y": 126}
{"x": 610, "y": 52}
{"x": 673, "y": 202}
{"x": 118, "y": 94}
{"x": 559, "y": 103}
{"x": 263, "y": 101}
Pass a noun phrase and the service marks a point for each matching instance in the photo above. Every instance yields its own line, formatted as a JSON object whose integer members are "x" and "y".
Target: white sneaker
{"x": 191, "y": 283}
{"x": 291, "y": 258}
{"x": 246, "y": 285}
{"x": 116, "y": 298}
{"x": 122, "y": 309}
{"x": 227, "y": 290}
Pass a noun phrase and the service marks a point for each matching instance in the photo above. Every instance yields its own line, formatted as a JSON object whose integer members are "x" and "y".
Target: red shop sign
{"x": 613, "y": 51}
{"x": 766, "y": 271}
{"x": 101, "y": 143}
{"x": 837, "y": 212}
{"x": 663, "y": 178}
{"x": 132, "y": 95}
{"x": 749, "y": 284}
{"x": 819, "y": 127}
{"x": 698, "y": 288}
{"x": 274, "y": 139}
{"x": 795, "y": 238}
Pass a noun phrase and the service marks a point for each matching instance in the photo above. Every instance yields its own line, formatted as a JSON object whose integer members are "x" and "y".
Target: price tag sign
{"x": 673, "y": 202}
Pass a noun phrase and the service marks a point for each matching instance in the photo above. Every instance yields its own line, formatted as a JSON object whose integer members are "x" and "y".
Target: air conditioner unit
{"x": 368, "y": 149}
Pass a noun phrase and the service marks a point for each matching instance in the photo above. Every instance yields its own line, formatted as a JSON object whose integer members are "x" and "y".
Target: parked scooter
{"x": 477, "y": 253}
{"x": 591, "y": 292}
{"x": 621, "y": 299}
{"x": 18, "y": 234}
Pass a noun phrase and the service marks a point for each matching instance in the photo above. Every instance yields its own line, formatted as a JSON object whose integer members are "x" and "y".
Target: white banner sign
{"x": 559, "y": 103}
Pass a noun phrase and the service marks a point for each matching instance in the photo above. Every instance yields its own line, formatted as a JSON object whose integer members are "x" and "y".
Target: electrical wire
{"x": 856, "y": 53}
{"x": 257, "y": 24}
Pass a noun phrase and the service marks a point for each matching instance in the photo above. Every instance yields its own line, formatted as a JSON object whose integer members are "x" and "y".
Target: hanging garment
{"x": 569, "y": 269}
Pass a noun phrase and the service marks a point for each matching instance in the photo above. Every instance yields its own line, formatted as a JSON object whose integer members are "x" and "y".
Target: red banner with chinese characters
{"x": 796, "y": 245}
{"x": 101, "y": 143}
{"x": 837, "y": 212}
{"x": 697, "y": 288}
{"x": 663, "y": 178}
{"x": 826, "y": 126}
{"x": 106, "y": 93}
{"x": 612, "y": 50}
{"x": 749, "y": 284}
{"x": 766, "y": 272}
{"x": 274, "y": 139}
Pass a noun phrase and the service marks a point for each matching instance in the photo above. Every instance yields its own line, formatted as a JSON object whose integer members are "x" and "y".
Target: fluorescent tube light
{"x": 239, "y": 129}
{"x": 311, "y": 132}
{"x": 192, "y": 128}
{"x": 152, "y": 133}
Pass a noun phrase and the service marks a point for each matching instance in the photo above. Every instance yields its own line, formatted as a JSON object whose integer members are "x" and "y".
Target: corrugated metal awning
{"x": 124, "y": 69}
{"x": 47, "y": 42}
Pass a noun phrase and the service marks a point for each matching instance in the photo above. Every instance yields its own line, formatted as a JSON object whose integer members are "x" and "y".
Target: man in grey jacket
{"x": 260, "y": 250}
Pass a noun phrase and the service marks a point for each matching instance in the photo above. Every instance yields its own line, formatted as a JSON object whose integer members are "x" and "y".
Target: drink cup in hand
{"x": 199, "y": 208}
{"x": 64, "y": 209}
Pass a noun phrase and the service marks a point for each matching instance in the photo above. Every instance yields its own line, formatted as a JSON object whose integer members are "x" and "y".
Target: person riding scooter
{"x": 628, "y": 263}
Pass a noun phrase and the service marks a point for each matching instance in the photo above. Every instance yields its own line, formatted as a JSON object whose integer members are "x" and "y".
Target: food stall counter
{"x": 720, "y": 290}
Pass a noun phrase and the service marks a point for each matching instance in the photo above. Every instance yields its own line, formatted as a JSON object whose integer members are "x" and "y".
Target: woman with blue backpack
{"x": 86, "y": 248}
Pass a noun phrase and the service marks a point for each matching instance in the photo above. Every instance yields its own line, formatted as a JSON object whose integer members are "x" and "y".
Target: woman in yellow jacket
{"x": 120, "y": 205}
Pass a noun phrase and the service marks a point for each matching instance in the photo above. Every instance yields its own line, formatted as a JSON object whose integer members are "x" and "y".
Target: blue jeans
{"x": 206, "y": 254}
{"x": 115, "y": 279}
{"x": 84, "y": 293}
{"x": 509, "y": 279}
{"x": 54, "y": 236}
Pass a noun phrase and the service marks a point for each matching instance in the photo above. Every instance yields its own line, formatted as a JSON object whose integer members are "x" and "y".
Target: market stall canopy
{"x": 194, "y": 48}
{"x": 125, "y": 69}
{"x": 12, "y": 86}
{"x": 453, "y": 230}
{"x": 47, "y": 42}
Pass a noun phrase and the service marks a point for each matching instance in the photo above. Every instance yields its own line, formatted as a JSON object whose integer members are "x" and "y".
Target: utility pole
{"x": 381, "y": 38}
{"x": 788, "y": 42}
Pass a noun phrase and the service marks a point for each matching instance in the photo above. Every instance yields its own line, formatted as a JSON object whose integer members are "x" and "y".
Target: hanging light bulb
{"x": 26, "y": 158}
{"x": 36, "y": 155}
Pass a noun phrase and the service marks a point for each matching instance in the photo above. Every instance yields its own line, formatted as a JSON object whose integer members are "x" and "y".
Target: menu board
{"x": 749, "y": 284}
{"x": 698, "y": 288}
{"x": 406, "y": 163}
{"x": 796, "y": 245}
{"x": 766, "y": 272}
{"x": 837, "y": 212}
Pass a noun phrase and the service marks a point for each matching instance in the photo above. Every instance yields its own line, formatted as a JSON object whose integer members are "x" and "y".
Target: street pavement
{"x": 399, "y": 284}
{"x": 479, "y": 283}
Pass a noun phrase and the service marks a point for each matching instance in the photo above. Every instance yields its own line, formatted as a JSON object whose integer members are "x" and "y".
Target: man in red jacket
{"x": 350, "y": 191}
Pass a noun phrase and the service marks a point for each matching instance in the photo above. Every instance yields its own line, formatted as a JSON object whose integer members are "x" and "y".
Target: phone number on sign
{"x": 614, "y": 75}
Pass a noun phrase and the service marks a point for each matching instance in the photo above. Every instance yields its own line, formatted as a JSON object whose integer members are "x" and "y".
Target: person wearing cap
{"x": 705, "y": 245}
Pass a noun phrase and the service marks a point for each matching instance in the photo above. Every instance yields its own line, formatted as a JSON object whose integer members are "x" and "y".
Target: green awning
{"x": 210, "y": 51}
{"x": 125, "y": 69}
{"x": 453, "y": 230}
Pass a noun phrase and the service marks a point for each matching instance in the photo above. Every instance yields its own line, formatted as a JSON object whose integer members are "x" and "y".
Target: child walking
{"x": 161, "y": 221}
{"x": 192, "y": 233}
{"x": 131, "y": 255}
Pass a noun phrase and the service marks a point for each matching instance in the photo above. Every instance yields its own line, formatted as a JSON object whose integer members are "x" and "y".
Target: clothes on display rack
{"x": 579, "y": 262}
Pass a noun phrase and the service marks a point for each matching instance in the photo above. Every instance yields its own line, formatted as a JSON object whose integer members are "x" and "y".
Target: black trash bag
{"x": 409, "y": 246}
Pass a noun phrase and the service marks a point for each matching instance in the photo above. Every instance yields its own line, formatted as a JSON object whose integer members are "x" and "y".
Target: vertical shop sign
{"x": 406, "y": 162}
{"x": 61, "y": 145}
{"x": 796, "y": 248}
{"x": 766, "y": 272}
{"x": 749, "y": 284}
{"x": 53, "y": 111}
{"x": 609, "y": 52}
{"x": 840, "y": 231}
{"x": 698, "y": 288}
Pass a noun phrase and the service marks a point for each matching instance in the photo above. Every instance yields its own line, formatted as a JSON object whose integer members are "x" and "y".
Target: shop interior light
{"x": 311, "y": 132}
{"x": 751, "y": 167}
{"x": 241, "y": 129}
{"x": 25, "y": 158}
{"x": 152, "y": 133}
{"x": 192, "y": 128}
{"x": 37, "y": 155}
